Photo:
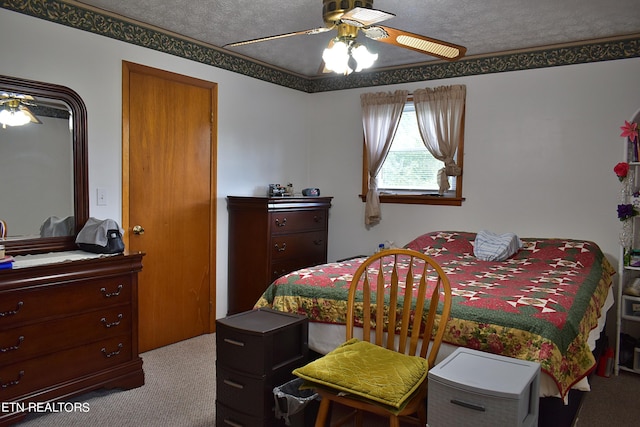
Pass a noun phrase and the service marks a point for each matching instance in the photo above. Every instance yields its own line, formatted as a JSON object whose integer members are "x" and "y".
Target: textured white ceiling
{"x": 482, "y": 26}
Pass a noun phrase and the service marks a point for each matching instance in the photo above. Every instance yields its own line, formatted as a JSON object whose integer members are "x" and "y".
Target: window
{"x": 410, "y": 172}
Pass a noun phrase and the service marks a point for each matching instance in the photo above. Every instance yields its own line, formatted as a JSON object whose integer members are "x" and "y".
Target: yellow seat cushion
{"x": 369, "y": 371}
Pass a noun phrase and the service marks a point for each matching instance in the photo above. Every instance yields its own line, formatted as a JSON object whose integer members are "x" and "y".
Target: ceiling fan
{"x": 344, "y": 54}
{"x": 14, "y": 110}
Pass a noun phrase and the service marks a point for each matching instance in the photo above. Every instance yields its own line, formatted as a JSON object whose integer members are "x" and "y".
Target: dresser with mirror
{"x": 68, "y": 319}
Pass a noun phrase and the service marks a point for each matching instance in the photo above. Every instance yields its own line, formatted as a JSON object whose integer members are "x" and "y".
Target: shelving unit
{"x": 628, "y": 306}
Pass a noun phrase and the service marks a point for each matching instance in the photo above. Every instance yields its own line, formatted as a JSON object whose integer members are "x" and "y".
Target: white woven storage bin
{"x": 472, "y": 388}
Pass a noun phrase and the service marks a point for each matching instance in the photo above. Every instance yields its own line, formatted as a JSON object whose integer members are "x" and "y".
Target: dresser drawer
{"x": 295, "y": 221}
{"x": 301, "y": 245}
{"x": 251, "y": 355}
{"x": 22, "y": 377}
{"x": 260, "y": 342}
{"x": 41, "y": 338}
{"x": 460, "y": 407}
{"x": 280, "y": 268}
{"x": 229, "y": 417}
{"x": 38, "y": 303}
{"x": 235, "y": 389}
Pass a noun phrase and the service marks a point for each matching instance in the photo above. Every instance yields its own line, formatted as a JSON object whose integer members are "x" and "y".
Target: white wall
{"x": 540, "y": 145}
{"x": 262, "y": 136}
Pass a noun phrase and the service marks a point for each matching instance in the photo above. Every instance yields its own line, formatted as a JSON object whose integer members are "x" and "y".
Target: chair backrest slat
{"x": 366, "y": 307}
{"x": 418, "y": 319}
{"x": 415, "y": 288}
{"x": 407, "y": 297}
{"x": 393, "y": 304}
{"x": 380, "y": 303}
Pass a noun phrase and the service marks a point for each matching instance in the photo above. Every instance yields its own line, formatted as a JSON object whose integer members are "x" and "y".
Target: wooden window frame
{"x": 418, "y": 199}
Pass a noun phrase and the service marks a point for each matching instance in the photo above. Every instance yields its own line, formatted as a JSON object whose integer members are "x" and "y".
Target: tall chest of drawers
{"x": 270, "y": 237}
{"x": 256, "y": 351}
{"x": 67, "y": 328}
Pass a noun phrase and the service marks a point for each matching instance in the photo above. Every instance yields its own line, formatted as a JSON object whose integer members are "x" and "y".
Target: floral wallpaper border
{"x": 74, "y": 16}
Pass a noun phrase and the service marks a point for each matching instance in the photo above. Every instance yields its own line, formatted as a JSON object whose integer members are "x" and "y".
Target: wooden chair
{"x": 406, "y": 281}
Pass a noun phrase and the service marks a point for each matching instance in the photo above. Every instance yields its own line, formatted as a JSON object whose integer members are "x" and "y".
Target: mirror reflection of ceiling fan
{"x": 348, "y": 17}
{"x": 14, "y": 110}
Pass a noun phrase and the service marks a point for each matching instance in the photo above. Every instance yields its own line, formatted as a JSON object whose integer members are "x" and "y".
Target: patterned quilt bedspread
{"x": 540, "y": 304}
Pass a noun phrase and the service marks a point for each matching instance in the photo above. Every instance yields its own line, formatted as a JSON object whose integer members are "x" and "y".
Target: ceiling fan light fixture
{"x": 13, "y": 117}
{"x": 346, "y": 56}
{"x": 349, "y": 17}
{"x": 336, "y": 57}
{"x": 363, "y": 57}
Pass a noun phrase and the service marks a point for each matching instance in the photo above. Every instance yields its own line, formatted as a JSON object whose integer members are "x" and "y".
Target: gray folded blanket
{"x": 489, "y": 246}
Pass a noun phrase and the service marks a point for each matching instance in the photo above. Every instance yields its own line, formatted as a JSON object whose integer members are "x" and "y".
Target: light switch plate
{"x": 101, "y": 197}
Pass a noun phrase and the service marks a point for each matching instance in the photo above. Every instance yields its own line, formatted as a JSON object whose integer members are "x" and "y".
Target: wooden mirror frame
{"x": 80, "y": 164}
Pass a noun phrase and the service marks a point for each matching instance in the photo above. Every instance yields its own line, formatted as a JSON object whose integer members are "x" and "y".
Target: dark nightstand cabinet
{"x": 256, "y": 351}
{"x": 270, "y": 237}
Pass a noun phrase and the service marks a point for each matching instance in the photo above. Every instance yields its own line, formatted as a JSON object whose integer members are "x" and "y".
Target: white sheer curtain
{"x": 439, "y": 112}
{"x": 380, "y": 117}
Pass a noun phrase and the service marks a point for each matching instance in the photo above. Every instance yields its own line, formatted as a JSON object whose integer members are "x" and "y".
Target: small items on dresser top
{"x": 6, "y": 261}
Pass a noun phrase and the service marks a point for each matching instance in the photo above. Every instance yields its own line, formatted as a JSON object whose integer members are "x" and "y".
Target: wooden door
{"x": 169, "y": 191}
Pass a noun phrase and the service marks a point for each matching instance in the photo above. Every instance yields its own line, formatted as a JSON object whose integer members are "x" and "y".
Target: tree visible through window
{"x": 409, "y": 166}
{"x": 409, "y": 173}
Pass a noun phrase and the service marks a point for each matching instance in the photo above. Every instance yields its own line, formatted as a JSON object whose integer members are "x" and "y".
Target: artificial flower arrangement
{"x": 621, "y": 170}
{"x": 630, "y": 130}
{"x": 627, "y": 210}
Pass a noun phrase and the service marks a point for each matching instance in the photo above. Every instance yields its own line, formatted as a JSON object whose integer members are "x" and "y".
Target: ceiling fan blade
{"x": 29, "y": 114}
{"x": 322, "y": 69}
{"x": 4, "y": 96}
{"x": 422, "y": 44}
{"x": 311, "y": 31}
{"x": 48, "y": 104}
{"x": 363, "y": 17}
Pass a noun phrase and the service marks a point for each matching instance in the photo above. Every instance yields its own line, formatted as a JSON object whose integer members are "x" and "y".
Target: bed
{"x": 546, "y": 303}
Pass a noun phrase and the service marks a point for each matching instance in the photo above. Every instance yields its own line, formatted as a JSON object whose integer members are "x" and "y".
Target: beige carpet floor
{"x": 180, "y": 392}
{"x": 613, "y": 402}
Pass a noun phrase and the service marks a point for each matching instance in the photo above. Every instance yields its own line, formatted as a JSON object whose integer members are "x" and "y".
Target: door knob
{"x": 137, "y": 229}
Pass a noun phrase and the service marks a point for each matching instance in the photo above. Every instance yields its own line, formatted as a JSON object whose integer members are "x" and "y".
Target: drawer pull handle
{"x": 234, "y": 342}
{"x": 113, "y": 353}
{"x": 317, "y": 218}
{"x": 473, "y": 406}
{"x": 14, "y": 382}
{"x": 233, "y": 384}
{"x": 232, "y": 424}
{"x": 281, "y": 224}
{"x": 318, "y": 242}
{"x": 281, "y": 249}
{"x": 13, "y": 347}
{"x": 111, "y": 294}
{"x": 12, "y": 312}
{"x": 112, "y": 324}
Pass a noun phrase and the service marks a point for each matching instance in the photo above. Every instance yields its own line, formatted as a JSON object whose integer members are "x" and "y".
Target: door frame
{"x": 127, "y": 68}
